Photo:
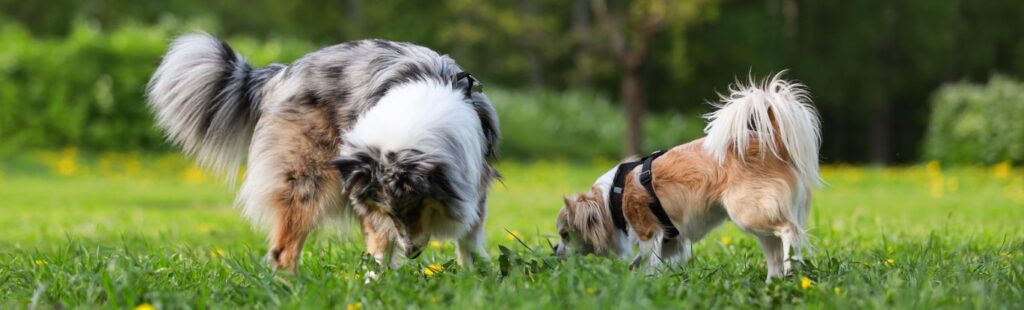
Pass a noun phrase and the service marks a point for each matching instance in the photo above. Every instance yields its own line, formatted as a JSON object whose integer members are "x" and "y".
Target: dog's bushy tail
{"x": 778, "y": 114}
{"x": 206, "y": 97}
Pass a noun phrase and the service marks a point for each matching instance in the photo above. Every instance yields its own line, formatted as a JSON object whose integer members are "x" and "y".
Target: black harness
{"x": 474, "y": 85}
{"x": 646, "y": 179}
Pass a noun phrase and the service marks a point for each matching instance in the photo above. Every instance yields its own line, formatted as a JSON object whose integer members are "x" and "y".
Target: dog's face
{"x": 397, "y": 185}
{"x": 585, "y": 225}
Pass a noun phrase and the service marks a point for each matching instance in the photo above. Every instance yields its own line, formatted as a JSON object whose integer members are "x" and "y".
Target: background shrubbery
{"x": 72, "y": 72}
{"x": 87, "y": 90}
{"x": 578, "y": 125}
{"x": 973, "y": 123}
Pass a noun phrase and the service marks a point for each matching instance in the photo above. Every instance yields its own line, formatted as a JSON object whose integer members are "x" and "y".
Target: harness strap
{"x": 615, "y": 196}
{"x": 647, "y": 180}
{"x": 473, "y": 86}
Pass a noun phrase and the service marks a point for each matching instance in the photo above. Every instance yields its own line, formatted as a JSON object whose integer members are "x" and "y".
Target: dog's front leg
{"x": 470, "y": 246}
{"x": 677, "y": 252}
{"x": 378, "y": 243}
{"x": 651, "y": 251}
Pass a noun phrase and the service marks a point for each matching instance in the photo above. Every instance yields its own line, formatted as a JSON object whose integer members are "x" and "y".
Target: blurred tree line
{"x": 872, "y": 65}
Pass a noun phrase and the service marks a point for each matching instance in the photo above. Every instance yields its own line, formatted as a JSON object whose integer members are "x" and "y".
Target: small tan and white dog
{"x": 756, "y": 167}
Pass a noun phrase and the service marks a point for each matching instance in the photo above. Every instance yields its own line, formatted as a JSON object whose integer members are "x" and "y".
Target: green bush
{"x": 977, "y": 123}
{"x": 87, "y": 90}
{"x": 578, "y": 125}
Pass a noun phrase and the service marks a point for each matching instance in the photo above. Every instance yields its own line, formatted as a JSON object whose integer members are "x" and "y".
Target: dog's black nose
{"x": 414, "y": 252}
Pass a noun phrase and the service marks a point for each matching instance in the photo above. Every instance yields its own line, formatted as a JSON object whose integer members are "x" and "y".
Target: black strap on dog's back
{"x": 646, "y": 179}
{"x": 615, "y": 197}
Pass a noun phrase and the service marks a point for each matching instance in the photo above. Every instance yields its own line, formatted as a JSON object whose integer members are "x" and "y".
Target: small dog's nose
{"x": 559, "y": 250}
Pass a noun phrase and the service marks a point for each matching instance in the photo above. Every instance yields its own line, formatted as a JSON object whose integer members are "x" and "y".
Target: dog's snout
{"x": 413, "y": 252}
{"x": 559, "y": 250}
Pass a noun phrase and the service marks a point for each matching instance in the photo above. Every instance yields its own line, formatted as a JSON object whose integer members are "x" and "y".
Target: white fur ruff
{"x": 432, "y": 118}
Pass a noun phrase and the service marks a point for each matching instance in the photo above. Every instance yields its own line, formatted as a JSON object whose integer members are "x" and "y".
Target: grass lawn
{"x": 123, "y": 231}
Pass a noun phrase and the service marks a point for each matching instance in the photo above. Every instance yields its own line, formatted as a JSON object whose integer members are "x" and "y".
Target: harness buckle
{"x": 645, "y": 177}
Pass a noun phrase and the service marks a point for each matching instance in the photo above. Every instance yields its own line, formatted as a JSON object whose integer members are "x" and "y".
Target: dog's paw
{"x": 370, "y": 277}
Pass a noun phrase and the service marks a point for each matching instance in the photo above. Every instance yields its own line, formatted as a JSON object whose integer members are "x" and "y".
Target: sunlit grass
{"x": 137, "y": 230}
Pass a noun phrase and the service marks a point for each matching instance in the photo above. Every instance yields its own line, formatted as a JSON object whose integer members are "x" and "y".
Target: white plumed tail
{"x": 776, "y": 112}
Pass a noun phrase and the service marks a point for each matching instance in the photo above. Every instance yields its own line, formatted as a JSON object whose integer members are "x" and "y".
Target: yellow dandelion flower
{"x": 204, "y": 228}
{"x": 132, "y": 166}
{"x": 805, "y": 282}
{"x": 1002, "y": 170}
{"x": 890, "y": 262}
{"x": 144, "y": 307}
{"x": 837, "y": 290}
{"x": 591, "y": 290}
{"x": 354, "y": 306}
{"x": 726, "y": 240}
{"x": 513, "y": 234}
{"x": 40, "y": 262}
{"x": 435, "y": 244}
{"x": 432, "y": 270}
{"x": 217, "y": 252}
{"x": 937, "y": 187}
{"x": 67, "y": 163}
{"x": 953, "y": 184}
{"x": 933, "y": 168}
{"x": 193, "y": 175}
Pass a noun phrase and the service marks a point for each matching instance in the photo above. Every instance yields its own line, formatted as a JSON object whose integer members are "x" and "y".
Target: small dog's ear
{"x": 568, "y": 201}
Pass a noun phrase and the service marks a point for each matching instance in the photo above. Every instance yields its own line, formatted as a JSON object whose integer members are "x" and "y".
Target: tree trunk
{"x": 880, "y": 120}
{"x": 529, "y": 45}
{"x": 634, "y": 103}
{"x": 880, "y": 132}
{"x": 354, "y": 16}
{"x": 581, "y": 31}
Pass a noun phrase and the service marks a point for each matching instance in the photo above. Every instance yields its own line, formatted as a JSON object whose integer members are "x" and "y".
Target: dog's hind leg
{"x": 290, "y": 183}
{"x": 792, "y": 238}
{"x": 294, "y": 222}
{"x": 774, "y": 255}
{"x": 299, "y": 208}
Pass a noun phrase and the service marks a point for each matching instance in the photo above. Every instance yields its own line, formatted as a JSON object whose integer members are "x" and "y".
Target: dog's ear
{"x": 414, "y": 174}
{"x": 489, "y": 121}
{"x": 440, "y": 181}
{"x": 568, "y": 201}
{"x": 355, "y": 171}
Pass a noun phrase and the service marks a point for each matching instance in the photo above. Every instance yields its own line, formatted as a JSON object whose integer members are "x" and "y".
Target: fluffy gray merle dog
{"x": 388, "y": 133}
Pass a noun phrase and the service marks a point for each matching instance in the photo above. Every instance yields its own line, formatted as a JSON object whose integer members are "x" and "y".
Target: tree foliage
{"x": 871, "y": 64}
